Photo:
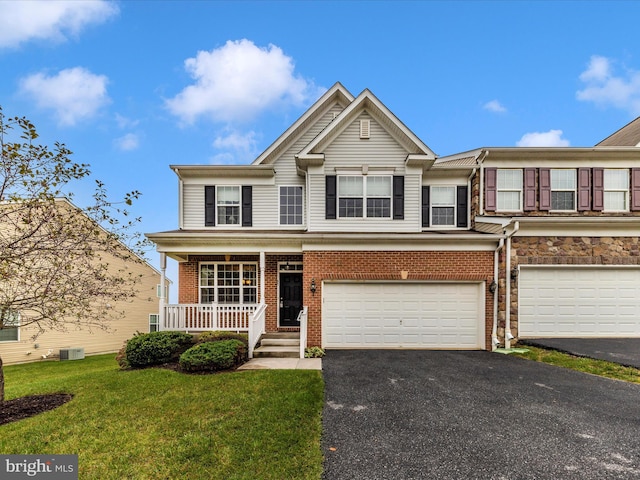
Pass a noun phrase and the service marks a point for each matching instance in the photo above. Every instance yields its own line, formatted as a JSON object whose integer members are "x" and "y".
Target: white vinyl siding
{"x": 402, "y": 315}
{"x": 571, "y": 301}
{"x": 509, "y": 190}
{"x": 616, "y": 190}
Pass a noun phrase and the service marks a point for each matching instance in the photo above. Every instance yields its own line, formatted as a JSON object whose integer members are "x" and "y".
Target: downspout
{"x": 494, "y": 331}
{"x": 507, "y": 321}
{"x": 469, "y": 195}
{"x": 163, "y": 281}
{"x": 480, "y": 162}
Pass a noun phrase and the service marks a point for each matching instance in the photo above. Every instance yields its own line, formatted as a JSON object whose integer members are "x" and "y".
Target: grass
{"x": 160, "y": 424}
{"x": 581, "y": 364}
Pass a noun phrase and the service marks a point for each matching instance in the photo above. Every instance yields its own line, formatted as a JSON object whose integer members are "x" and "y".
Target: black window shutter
{"x": 247, "y": 214}
{"x": 461, "y": 206}
{"x": 331, "y": 197}
{"x": 209, "y": 206}
{"x": 425, "y": 206}
{"x": 398, "y": 198}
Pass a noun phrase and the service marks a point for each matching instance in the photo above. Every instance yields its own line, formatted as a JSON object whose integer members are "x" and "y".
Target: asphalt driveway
{"x": 399, "y": 414}
{"x": 625, "y": 351}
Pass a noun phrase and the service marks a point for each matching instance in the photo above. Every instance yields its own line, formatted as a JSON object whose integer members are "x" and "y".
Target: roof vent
{"x": 365, "y": 128}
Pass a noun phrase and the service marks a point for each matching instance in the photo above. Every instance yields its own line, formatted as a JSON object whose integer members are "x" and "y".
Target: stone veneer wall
{"x": 554, "y": 250}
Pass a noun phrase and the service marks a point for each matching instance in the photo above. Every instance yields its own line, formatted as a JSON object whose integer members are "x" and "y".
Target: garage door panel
{"x": 392, "y": 315}
{"x": 586, "y": 302}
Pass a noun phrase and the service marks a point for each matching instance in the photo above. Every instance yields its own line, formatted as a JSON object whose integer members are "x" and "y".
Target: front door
{"x": 290, "y": 299}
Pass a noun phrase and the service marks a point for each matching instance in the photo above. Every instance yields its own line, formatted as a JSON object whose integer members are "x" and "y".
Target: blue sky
{"x": 134, "y": 86}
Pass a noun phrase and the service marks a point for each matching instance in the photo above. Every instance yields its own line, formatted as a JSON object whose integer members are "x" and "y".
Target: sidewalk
{"x": 283, "y": 364}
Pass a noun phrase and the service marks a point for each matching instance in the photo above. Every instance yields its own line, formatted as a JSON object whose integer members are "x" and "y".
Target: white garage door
{"x": 579, "y": 302}
{"x": 403, "y": 315}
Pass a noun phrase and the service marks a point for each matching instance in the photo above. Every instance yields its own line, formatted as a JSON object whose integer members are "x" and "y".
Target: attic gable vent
{"x": 365, "y": 128}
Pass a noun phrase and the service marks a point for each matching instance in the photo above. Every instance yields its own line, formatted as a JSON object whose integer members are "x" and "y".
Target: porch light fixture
{"x": 313, "y": 286}
{"x": 493, "y": 286}
{"x": 514, "y": 273}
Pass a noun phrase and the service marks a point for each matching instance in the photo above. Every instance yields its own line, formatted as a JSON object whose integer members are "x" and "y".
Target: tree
{"x": 61, "y": 266}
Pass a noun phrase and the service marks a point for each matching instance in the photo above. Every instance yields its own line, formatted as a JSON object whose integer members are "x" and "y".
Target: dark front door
{"x": 290, "y": 299}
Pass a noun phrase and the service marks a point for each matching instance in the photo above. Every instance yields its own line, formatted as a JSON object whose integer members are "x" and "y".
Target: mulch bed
{"x": 25, "y": 407}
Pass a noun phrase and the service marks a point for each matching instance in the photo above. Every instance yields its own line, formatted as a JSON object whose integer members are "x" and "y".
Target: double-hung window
{"x": 443, "y": 206}
{"x": 10, "y": 323}
{"x": 228, "y": 205}
{"x": 291, "y": 205}
{"x": 509, "y": 190}
{"x": 235, "y": 283}
{"x": 616, "y": 190}
{"x": 154, "y": 322}
{"x": 563, "y": 189}
{"x": 364, "y": 196}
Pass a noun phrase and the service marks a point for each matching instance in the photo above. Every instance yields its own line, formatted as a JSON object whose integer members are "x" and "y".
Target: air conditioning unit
{"x": 72, "y": 353}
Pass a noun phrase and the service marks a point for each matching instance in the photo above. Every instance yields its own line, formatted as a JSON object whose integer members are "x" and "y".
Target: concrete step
{"x": 276, "y": 352}
{"x": 281, "y": 335}
{"x": 283, "y": 342}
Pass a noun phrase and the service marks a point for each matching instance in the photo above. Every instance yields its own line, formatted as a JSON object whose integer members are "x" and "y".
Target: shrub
{"x": 313, "y": 352}
{"x": 156, "y": 348}
{"x": 222, "y": 335}
{"x": 121, "y": 357}
{"x": 213, "y": 356}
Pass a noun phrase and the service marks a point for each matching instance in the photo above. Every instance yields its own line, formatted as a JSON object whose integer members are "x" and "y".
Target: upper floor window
{"x": 10, "y": 322}
{"x": 509, "y": 190}
{"x": 563, "y": 189}
{"x": 291, "y": 205}
{"x": 443, "y": 206}
{"x": 228, "y": 205}
{"x": 616, "y": 190}
{"x": 228, "y": 283}
{"x": 364, "y": 196}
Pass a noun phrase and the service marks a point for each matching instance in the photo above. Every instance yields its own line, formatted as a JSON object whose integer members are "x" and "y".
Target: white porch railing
{"x": 256, "y": 327}
{"x": 302, "y": 318}
{"x": 198, "y": 317}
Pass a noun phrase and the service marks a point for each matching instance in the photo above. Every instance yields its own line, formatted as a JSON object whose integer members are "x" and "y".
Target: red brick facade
{"x": 348, "y": 265}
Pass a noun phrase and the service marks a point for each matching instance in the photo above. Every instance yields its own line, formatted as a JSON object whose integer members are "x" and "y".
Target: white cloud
{"x": 240, "y": 147}
{"x": 21, "y": 21}
{"x": 73, "y": 94}
{"x": 606, "y": 88}
{"x": 237, "y": 82}
{"x": 552, "y": 138}
{"x": 124, "y": 122}
{"x": 494, "y": 106}
{"x": 127, "y": 142}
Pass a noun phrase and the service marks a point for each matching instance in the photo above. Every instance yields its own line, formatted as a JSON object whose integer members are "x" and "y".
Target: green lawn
{"x": 160, "y": 424}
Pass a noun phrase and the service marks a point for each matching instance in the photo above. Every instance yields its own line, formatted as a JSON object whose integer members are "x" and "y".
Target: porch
{"x": 241, "y": 318}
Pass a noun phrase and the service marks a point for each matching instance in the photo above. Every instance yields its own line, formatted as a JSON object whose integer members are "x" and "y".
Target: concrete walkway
{"x": 283, "y": 364}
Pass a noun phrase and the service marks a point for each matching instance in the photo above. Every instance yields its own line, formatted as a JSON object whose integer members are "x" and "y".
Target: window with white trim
{"x": 509, "y": 190}
{"x": 443, "y": 206}
{"x": 10, "y": 323}
{"x": 228, "y": 205}
{"x": 154, "y": 322}
{"x": 364, "y": 196}
{"x": 616, "y": 190}
{"x": 563, "y": 189}
{"x": 235, "y": 283}
{"x": 291, "y": 205}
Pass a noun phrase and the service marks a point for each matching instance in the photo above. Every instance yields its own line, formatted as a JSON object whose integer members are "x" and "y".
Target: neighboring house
{"x": 351, "y": 225}
{"x": 17, "y": 345}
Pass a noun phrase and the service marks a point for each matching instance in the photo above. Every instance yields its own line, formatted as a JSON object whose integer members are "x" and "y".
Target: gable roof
{"x": 369, "y": 102}
{"x": 627, "y": 136}
{"x": 337, "y": 94}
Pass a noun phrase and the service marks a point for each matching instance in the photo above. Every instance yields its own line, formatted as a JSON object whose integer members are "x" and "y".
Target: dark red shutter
{"x": 584, "y": 189}
{"x": 490, "y": 189}
{"x": 635, "y": 189}
{"x": 598, "y": 189}
{"x": 545, "y": 188}
{"x": 529, "y": 189}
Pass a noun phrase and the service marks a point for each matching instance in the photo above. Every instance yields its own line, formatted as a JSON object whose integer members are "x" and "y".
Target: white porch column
{"x": 262, "y": 276}
{"x": 163, "y": 289}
